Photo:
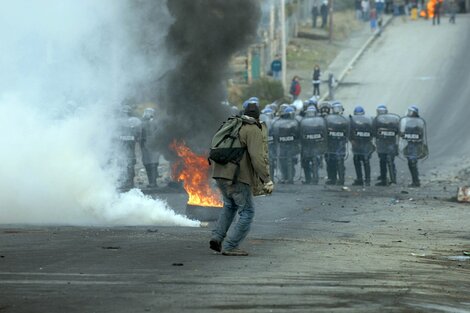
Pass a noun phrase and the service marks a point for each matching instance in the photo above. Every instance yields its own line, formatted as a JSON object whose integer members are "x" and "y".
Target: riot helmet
{"x": 382, "y": 109}
{"x": 325, "y": 108}
{"x": 252, "y": 100}
{"x": 413, "y": 111}
{"x": 359, "y": 110}
{"x": 268, "y": 112}
{"x": 282, "y": 108}
{"x": 311, "y": 111}
{"x": 149, "y": 113}
{"x": 288, "y": 112}
{"x": 337, "y": 108}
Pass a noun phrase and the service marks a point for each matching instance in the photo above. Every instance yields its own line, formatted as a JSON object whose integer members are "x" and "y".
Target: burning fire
{"x": 194, "y": 171}
{"x": 429, "y": 9}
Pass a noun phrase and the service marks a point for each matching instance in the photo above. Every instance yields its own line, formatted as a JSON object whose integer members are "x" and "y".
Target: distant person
{"x": 276, "y": 67}
{"x": 324, "y": 13}
{"x": 373, "y": 20}
{"x": 338, "y": 133}
{"x": 362, "y": 147}
{"x": 365, "y": 10}
{"x": 380, "y": 6}
{"x": 452, "y": 11}
{"x": 413, "y": 133}
{"x": 286, "y": 136}
{"x": 386, "y": 129}
{"x": 315, "y": 12}
{"x": 129, "y": 132}
{"x": 295, "y": 88}
{"x": 358, "y": 8}
{"x": 316, "y": 80}
{"x": 150, "y": 156}
{"x": 313, "y": 144}
{"x": 437, "y": 12}
{"x": 236, "y": 183}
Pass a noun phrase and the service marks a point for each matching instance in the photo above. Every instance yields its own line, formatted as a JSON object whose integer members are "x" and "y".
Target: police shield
{"x": 286, "y": 136}
{"x": 386, "y": 130}
{"x": 313, "y": 136}
{"x": 413, "y": 141}
{"x": 337, "y": 134}
{"x": 361, "y": 134}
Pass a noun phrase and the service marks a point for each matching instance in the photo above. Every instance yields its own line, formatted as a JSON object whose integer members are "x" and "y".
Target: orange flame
{"x": 194, "y": 171}
{"x": 429, "y": 11}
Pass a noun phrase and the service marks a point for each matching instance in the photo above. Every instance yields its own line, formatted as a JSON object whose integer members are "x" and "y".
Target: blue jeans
{"x": 237, "y": 198}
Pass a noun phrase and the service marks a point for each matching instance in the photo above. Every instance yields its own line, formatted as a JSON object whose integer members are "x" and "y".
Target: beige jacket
{"x": 254, "y": 166}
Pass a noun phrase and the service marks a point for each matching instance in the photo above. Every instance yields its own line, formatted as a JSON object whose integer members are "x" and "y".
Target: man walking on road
{"x": 236, "y": 189}
{"x": 437, "y": 12}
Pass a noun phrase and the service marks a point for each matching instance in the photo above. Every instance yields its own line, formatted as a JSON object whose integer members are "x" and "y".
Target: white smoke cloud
{"x": 65, "y": 66}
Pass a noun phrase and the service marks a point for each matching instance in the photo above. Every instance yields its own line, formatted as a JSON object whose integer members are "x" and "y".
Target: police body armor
{"x": 313, "y": 136}
{"x": 361, "y": 134}
{"x": 150, "y": 154}
{"x": 286, "y": 137}
{"x": 386, "y": 130}
{"x": 129, "y": 134}
{"x": 337, "y": 132}
{"x": 413, "y": 141}
{"x": 286, "y": 140}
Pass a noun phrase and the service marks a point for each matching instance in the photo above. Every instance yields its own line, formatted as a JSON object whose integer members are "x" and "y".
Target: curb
{"x": 356, "y": 57}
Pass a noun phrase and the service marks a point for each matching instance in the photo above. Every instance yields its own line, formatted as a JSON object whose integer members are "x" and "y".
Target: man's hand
{"x": 269, "y": 187}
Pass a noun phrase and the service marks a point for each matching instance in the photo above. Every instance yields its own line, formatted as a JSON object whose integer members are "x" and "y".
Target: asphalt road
{"x": 312, "y": 248}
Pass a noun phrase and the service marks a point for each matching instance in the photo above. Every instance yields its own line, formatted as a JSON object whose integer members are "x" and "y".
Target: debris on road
{"x": 111, "y": 248}
{"x": 177, "y": 264}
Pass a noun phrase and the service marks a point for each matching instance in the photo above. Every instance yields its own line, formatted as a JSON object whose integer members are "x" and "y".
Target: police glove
{"x": 269, "y": 187}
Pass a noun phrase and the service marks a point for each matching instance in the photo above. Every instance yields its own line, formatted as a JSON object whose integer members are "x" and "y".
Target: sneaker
{"x": 215, "y": 245}
{"x": 235, "y": 252}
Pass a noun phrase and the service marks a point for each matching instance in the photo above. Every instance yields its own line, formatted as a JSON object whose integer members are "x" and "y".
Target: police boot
{"x": 367, "y": 172}
{"x": 383, "y": 173}
{"x": 413, "y": 166}
{"x": 392, "y": 172}
{"x": 153, "y": 175}
{"x": 291, "y": 171}
{"x": 306, "y": 165}
{"x": 315, "y": 175}
{"x": 341, "y": 172}
{"x": 357, "y": 167}
{"x": 331, "y": 172}
{"x": 129, "y": 182}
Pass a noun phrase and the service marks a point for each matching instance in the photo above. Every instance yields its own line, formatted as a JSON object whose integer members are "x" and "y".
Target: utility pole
{"x": 272, "y": 23}
{"x": 283, "y": 43}
{"x": 330, "y": 16}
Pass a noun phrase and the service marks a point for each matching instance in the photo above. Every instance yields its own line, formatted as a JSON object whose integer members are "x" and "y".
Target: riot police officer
{"x": 386, "y": 130}
{"x": 362, "y": 146}
{"x": 413, "y": 142}
{"x": 130, "y": 130}
{"x": 267, "y": 116}
{"x": 324, "y": 108}
{"x": 150, "y": 156}
{"x": 313, "y": 144}
{"x": 338, "y": 133}
{"x": 286, "y": 137}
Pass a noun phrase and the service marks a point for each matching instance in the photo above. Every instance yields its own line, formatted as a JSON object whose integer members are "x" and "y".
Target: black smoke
{"x": 204, "y": 36}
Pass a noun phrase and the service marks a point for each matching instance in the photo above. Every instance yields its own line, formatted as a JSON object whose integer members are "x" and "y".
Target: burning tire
{"x": 202, "y": 213}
